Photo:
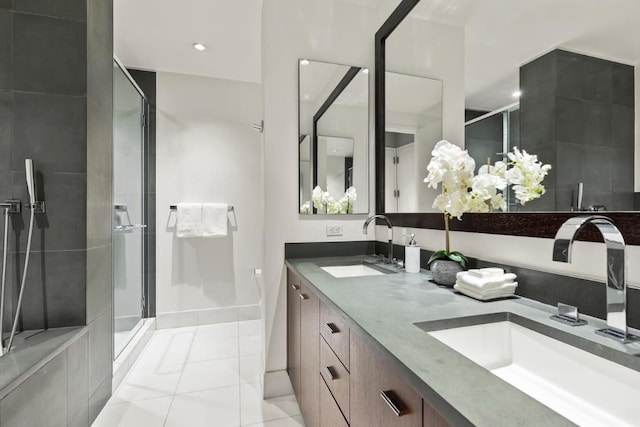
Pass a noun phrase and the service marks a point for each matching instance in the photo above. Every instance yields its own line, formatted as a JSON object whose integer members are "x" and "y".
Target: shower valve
{"x": 37, "y": 206}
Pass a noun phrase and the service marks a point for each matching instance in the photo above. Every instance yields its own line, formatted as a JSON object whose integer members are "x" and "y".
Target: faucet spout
{"x": 616, "y": 294}
{"x": 389, "y": 226}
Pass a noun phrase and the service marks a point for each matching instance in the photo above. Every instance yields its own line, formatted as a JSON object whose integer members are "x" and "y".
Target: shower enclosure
{"x": 129, "y": 142}
{"x": 490, "y": 136}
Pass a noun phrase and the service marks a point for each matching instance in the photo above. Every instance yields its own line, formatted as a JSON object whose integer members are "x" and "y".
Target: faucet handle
{"x": 569, "y": 315}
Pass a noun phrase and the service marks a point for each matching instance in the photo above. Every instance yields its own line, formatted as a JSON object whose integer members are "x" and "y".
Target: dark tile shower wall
{"x": 56, "y": 108}
{"x": 147, "y": 82}
{"x": 577, "y": 113}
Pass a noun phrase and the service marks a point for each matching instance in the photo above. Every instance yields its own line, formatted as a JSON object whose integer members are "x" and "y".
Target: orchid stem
{"x": 446, "y": 232}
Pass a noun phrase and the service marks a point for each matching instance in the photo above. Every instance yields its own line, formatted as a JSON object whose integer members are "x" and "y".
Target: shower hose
{"x": 24, "y": 279}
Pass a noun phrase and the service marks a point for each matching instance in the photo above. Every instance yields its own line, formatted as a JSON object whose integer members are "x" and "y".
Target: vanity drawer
{"x": 336, "y": 376}
{"x": 330, "y": 415}
{"x": 335, "y": 331}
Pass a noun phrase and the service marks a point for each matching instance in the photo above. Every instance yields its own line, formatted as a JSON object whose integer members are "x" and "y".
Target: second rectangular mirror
{"x": 333, "y": 138}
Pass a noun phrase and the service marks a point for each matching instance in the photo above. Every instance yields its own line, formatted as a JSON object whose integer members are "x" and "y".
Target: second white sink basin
{"x": 356, "y": 270}
{"x": 584, "y": 388}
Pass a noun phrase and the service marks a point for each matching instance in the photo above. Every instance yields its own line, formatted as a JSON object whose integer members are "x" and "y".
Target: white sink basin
{"x": 356, "y": 270}
{"x": 586, "y": 389}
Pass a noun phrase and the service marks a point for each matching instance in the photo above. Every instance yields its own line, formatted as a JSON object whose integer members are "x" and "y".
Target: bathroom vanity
{"x": 361, "y": 352}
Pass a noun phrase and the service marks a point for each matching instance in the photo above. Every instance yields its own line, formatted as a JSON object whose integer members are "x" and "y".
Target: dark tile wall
{"x": 43, "y": 116}
{"x": 99, "y": 206}
{"x": 577, "y": 114}
{"x": 56, "y": 84}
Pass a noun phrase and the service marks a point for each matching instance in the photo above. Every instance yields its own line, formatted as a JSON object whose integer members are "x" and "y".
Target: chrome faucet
{"x": 390, "y": 226}
{"x": 616, "y": 284}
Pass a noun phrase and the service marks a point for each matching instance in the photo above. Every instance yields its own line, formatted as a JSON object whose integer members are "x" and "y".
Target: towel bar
{"x": 175, "y": 208}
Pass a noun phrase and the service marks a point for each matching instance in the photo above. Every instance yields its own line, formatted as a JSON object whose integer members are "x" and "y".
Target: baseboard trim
{"x": 276, "y": 384}
{"x": 180, "y": 319}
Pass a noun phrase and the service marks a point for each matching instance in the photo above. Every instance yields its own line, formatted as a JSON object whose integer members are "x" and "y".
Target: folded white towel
{"x": 189, "y": 220}
{"x": 507, "y": 290}
{"x": 486, "y": 272}
{"x": 214, "y": 219}
{"x": 490, "y": 282}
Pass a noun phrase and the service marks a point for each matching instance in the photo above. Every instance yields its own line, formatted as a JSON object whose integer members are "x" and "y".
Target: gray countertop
{"x": 385, "y": 308}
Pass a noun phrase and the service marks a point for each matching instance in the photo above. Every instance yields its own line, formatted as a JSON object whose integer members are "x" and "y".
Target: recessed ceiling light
{"x": 304, "y": 62}
{"x": 365, "y": 71}
{"x": 516, "y": 94}
{"x": 334, "y": 150}
{"x": 307, "y": 97}
{"x": 199, "y": 47}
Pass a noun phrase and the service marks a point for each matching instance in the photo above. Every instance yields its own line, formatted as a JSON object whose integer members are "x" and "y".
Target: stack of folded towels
{"x": 486, "y": 283}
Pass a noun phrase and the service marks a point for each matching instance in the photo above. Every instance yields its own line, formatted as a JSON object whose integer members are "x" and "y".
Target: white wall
{"x": 208, "y": 152}
{"x": 331, "y": 31}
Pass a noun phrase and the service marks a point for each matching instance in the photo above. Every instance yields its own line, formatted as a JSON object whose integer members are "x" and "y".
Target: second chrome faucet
{"x": 616, "y": 294}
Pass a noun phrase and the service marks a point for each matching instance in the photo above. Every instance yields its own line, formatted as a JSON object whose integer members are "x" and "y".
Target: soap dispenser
{"x": 412, "y": 256}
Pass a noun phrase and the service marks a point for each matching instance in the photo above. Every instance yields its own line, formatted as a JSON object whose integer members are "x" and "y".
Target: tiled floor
{"x": 199, "y": 376}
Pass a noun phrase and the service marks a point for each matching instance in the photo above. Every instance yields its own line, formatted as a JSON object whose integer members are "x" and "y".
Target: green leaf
{"x": 452, "y": 256}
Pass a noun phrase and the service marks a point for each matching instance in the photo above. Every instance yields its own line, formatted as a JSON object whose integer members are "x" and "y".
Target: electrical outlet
{"x": 334, "y": 230}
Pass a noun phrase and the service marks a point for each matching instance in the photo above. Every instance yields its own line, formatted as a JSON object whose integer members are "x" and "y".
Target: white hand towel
{"x": 506, "y": 290}
{"x": 189, "y": 220}
{"x": 486, "y": 272}
{"x": 490, "y": 282}
{"x": 214, "y": 219}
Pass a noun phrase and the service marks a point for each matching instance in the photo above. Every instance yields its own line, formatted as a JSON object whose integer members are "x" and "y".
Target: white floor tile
{"x": 166, "y": 349}
{"x": 250, "y": 327}
{"x": 250, "y": 368}
{"x": 250, "y": 344}
{"x": 210, "y": 374}
{"x": 256, "y": 410}
{"x": 160, "y": 356}
{"x": 282, "y": 422}
{"x": 219, "y": 407}
{"x": 141, "y": 384}
{"x": 218, "y": 330}
{"x": 220, "y": 348}
{"x": 148, "y": 413}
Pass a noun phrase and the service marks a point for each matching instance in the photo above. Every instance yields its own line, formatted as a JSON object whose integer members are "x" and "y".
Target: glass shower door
{"x": 128, "y": 211}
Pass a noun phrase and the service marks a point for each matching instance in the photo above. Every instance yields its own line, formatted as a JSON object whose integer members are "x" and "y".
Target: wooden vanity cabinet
{"x": 359, "y": 388}
{"x": 303, "y": 347}
{"x": 293, "y": 330}
{"x": 379, "y": 397}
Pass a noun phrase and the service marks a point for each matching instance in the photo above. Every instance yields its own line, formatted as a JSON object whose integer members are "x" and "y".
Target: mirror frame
{"x": 534, "y": 224}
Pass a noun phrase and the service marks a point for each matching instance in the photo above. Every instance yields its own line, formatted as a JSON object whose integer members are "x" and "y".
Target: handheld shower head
{"x": 31, "y": 180}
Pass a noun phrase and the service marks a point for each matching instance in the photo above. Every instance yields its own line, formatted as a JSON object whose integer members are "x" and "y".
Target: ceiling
{"x": 501, "y": 35}
{"x": 159, "y": 35}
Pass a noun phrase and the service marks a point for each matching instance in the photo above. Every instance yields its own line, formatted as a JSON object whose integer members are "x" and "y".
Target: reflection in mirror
{"x": 575, "y": 83}
{"x": 334, "y": 138}
{"x": 335, "y": 165}
{"x": 570, "y": 67}
{"x": 413, "y": 125}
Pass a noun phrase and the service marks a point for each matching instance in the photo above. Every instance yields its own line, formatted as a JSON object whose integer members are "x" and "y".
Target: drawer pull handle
{"x": 295, "y": 287}
{"x": 332, "y": 328}
{"x": 303, "y": 296}
{"x": 330, "y": 372}
{"x": 392, "y": 401}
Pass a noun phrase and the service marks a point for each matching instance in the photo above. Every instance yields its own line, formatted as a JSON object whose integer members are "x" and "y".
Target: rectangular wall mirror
{"x": 333, "y": 138}
{"x": 557, "y": 79}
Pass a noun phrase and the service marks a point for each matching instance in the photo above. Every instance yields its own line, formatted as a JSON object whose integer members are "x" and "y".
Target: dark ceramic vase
{"x": 443, "y": 271}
